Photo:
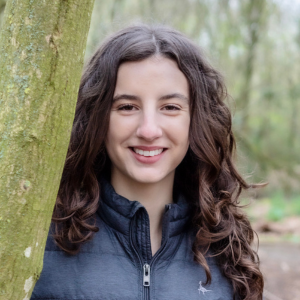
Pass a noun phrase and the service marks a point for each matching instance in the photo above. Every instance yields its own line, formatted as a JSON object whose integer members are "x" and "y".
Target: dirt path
{"x": 280, "y": 264}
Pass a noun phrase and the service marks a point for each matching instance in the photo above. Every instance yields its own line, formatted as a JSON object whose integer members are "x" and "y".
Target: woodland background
{"x": 256, "y": 45}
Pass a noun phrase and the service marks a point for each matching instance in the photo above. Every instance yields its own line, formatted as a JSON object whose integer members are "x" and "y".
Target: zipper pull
{"x": 146, "y": 276}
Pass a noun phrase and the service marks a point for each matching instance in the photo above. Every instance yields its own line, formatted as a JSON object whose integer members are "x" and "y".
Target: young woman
{"x": 148, "y": 202}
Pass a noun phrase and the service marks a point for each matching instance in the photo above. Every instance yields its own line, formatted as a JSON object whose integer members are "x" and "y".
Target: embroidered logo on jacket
{"x": 202, "y": 289}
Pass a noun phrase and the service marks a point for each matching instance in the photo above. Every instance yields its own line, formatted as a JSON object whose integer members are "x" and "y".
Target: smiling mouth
{"x": 147, "y": 153}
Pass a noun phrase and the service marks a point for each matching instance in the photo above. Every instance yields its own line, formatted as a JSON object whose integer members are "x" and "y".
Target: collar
{"x": 117, "y": 211}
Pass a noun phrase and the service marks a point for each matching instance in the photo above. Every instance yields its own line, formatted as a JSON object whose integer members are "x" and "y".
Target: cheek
{"x": 112, "y": 144}
{"x": 112, "y": 135}
{"x": 180, "y": 132}
{"x": 119, "y": 130}
{"x": 123, "y": 123}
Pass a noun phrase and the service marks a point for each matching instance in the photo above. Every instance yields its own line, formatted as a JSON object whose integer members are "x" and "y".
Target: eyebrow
{"x": 165, "y": 97}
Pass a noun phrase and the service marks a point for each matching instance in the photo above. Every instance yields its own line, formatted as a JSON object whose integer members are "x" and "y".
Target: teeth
{"x": 148, "y": 153}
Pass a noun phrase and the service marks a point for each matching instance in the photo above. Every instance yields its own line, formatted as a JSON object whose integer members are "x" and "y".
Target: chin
{"x": 148, "y": 178}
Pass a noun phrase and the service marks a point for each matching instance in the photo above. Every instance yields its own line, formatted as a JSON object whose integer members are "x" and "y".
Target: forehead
{"x": 155, "y": 62}
{"x": 157, "y": 72}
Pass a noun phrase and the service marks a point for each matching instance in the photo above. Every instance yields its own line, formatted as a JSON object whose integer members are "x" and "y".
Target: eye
{"x": 126, "y": 107}
{"x": 171, "y": 107}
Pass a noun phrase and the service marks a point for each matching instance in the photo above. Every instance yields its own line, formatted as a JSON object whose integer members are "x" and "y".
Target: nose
{"x": 149, "y": 128}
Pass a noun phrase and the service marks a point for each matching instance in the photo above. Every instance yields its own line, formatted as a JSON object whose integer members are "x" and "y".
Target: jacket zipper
{"x": 146, "y": 280}
{"x": 132, "y": 243}
{"x": 145, "y": 266}
{"x": 146, "y": 275}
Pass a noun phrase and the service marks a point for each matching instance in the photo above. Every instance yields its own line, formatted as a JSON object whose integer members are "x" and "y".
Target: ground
{"x": 279, "y": 249}
{"x": 280, "y": 265}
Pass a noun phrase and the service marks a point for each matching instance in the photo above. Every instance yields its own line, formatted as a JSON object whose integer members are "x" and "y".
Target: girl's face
{"x": 149, "y": 120}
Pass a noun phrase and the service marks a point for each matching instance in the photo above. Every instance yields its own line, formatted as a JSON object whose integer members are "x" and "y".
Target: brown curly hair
{"x": 207, "y": 174}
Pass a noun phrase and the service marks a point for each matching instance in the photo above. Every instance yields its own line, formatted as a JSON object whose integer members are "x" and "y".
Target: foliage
{"x": 281, "y": 206}
{"x": 274, "y": 208}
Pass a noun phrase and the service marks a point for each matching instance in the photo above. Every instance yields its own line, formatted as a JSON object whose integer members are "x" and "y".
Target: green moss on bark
{"x": 42, "y": 47}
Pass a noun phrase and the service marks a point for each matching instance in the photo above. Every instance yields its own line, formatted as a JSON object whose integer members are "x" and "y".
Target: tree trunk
{"x": 2, "y": 5}
{"x": 41, "y": 57}
{"x": 254, "y": 18}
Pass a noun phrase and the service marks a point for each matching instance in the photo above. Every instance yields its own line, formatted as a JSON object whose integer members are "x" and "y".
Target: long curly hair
{"x": 207, "y": 175}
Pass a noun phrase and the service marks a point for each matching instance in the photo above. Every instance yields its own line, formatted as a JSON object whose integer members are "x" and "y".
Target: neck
{"x": 153, "y": 196}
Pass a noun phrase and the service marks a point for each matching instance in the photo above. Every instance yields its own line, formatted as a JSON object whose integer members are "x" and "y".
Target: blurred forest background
{"x": 256, "y": 45}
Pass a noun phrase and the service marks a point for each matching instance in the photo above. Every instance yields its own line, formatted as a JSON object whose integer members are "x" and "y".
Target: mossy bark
{"x": 2, "y": 5}
{"x": 2, "y": 8}
{"x": 42, "y": 46}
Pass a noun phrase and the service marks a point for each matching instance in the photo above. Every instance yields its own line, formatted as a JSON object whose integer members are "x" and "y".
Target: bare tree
{"x": 254, "y": 13}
